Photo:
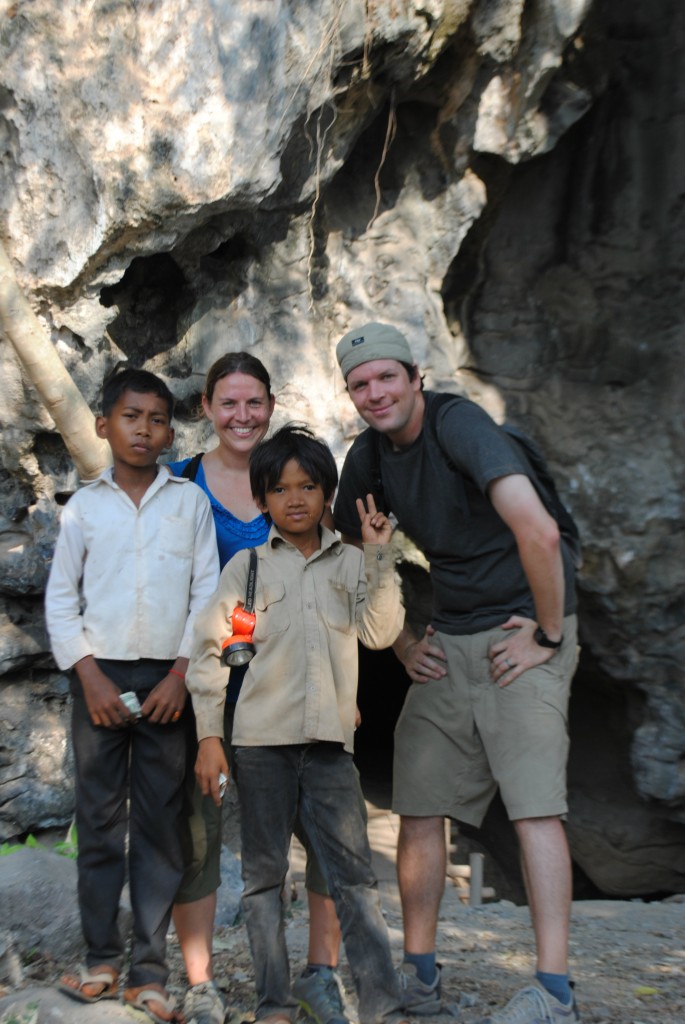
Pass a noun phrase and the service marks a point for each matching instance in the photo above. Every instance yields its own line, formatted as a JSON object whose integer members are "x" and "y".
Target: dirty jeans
{"x": 318, "y": 782}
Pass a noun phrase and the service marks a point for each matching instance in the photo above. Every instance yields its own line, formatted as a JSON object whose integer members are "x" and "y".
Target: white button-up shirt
{"x": 127, "y": 582}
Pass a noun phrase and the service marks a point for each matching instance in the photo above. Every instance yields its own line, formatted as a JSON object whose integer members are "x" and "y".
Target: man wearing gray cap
{"x": 493, "y": 671}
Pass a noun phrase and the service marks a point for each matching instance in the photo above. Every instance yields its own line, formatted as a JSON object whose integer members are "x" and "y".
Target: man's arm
{"x": 539, "y": 548}
{"x": 422, "y": 659}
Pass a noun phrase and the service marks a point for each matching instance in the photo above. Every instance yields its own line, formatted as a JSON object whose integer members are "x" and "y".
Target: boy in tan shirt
{"x": 294, "y": 723}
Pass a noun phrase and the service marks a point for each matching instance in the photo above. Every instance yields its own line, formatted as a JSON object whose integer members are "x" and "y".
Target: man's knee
{"x": 542, "y": 840}
{"x": 413, "y": 829}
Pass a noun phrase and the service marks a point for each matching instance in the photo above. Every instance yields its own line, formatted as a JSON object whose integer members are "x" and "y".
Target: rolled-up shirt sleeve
{"x": 207, "y": 677}
{"x": 380, "y": 614}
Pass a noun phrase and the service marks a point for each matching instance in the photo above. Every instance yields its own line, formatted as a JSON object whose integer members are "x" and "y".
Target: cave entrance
{"x": 602, "y": 716}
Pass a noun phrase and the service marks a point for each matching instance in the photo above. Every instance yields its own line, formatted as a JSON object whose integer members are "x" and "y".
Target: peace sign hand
{"x": 376, "y": 527}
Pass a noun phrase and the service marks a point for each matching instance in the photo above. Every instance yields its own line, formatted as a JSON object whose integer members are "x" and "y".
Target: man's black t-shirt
{"x": 437, "y": 490}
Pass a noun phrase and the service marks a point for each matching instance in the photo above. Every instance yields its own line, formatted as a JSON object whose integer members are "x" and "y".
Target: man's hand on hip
{"x": 509, "y": 658}
{"x": 423, "y": 659}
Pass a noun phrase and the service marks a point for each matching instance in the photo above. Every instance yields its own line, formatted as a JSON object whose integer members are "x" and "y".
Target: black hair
{"x": 129, "y": 379}
{"x": 413, "y": 372}
{"x": 236, "y": 362}
{"x": 293, "y": 441}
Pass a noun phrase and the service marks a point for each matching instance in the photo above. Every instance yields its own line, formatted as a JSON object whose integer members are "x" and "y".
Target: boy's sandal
{"x": 74, "y": 985}
{"x": 145, "y": 996}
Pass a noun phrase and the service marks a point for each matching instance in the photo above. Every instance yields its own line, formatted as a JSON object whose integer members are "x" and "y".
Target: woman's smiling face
{"x": 239, "y": 410}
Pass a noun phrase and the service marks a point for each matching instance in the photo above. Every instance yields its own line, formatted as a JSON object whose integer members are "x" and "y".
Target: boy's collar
{"x": 328, "y": 538}
{"x": 164, "y": 476}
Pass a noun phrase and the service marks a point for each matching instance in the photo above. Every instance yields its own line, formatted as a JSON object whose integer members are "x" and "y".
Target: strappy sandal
{"x": 73, "y": 985}
{"x": 139, "y": 999}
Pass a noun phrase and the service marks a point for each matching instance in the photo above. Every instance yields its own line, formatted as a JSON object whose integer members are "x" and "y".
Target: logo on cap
{"x": 357, "y": 341}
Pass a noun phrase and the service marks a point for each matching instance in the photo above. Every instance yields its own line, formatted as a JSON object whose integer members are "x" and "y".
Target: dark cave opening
{"x": 151, "y": 297}
{"x": 601, "y": 720}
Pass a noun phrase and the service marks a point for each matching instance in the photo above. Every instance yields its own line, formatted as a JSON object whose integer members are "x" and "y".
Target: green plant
{"x": 68, "y": 847}
{"x": 29, "y": 1015}
{"x": 31, "y": 842}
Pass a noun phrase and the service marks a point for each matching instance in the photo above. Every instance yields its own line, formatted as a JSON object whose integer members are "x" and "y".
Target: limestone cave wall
{"x": 499, "y": 178}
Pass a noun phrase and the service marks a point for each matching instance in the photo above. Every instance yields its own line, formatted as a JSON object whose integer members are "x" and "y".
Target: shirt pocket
{"x": 340, "y": 606}
{"x": 177, "y": 536}
{"x": 271, "y": 610}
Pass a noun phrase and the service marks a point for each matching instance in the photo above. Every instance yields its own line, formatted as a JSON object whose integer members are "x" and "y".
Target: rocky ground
{"x": 628, "y": 957}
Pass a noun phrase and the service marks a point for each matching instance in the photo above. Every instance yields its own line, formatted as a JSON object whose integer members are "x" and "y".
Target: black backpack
{"x": 190, "y": 471}
{"x": 544, "y": 482}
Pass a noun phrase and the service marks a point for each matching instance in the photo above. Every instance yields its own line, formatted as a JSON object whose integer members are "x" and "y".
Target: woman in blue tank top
{"x": 237, "y": 400}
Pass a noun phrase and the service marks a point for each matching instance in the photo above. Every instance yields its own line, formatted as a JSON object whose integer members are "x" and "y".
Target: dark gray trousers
{"x": 318, "y": 783}
{"x": 128, "y": 780}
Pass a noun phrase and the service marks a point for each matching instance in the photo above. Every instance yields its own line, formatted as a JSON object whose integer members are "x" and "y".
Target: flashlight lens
{"x": 237, "y": 652}
{"x": 236, "y": 658}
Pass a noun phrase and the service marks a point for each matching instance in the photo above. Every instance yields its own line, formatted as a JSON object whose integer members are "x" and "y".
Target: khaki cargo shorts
{"x": 201, "y": 830}
{"x": 459, "y": 738}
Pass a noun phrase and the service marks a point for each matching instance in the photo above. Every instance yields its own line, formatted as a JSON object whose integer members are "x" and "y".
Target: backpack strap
{"x": 542, "y": 477}
{"x": 190, "y": 471}
{"x": 377, "y": 488}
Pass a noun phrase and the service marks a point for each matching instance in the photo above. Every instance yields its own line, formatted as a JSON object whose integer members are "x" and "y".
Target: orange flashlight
{"x": 239, "y": 648}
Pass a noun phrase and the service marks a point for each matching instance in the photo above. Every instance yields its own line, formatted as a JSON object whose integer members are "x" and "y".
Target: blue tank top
{"x": 232, "y": 535}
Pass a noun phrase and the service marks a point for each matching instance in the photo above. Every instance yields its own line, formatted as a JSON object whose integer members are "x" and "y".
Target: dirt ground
{"x": 628, "y": 958}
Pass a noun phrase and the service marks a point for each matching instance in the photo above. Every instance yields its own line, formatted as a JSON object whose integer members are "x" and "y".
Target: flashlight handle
{"x": 251, "y": 582}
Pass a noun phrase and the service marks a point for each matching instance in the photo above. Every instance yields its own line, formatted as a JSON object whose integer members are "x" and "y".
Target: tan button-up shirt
{"x": 301, "y": 685}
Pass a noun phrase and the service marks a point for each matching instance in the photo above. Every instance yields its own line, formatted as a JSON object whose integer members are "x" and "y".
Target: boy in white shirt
{"x": 135, "y": 560}
{"x": 294, "y": 723}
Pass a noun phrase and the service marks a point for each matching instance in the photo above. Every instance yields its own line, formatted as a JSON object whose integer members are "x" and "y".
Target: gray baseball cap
{"x": 372, "y": 341}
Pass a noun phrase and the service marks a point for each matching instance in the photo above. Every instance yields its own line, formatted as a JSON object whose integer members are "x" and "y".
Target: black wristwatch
{"x": 541, "y": 638}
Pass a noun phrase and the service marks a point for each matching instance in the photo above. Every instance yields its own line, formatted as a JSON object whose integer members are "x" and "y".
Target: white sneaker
{"x": 534, "y": 1005}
